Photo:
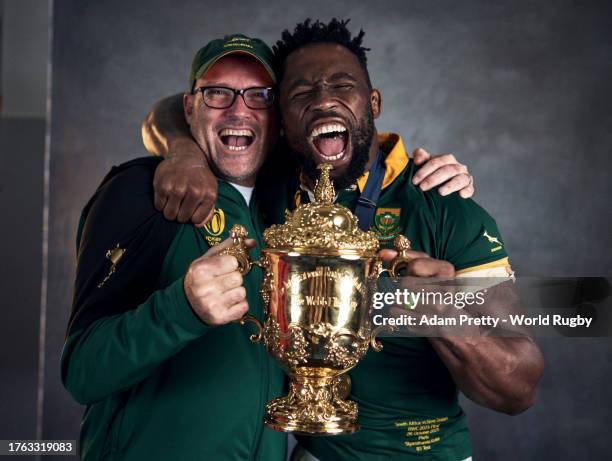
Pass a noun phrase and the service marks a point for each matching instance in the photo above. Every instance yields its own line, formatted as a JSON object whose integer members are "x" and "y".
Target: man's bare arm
{"x": 498, "y": 373}
{"x": 185, "y": 187}
{"x": 501, "y": 373}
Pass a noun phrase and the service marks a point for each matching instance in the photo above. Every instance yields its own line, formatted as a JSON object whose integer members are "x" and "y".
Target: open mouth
{"x": 236, "y": 140}
{"x": 330, "y": 140}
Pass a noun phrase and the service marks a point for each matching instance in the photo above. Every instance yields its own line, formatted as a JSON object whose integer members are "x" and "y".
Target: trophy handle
{"x": 374, "y": 342}
{"x": 402, "y": 245}
{"x": 239, "y": 251}
{"x": 255, "y": 337}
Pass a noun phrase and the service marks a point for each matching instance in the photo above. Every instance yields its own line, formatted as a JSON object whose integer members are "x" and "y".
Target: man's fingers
{"x": 228, "y": 282}
{"x": 202, "y": 215}
{"x": 387, "y": 254}
{"x": 432, "y": 165}
{"x": 207, "y": 266}
{"x": 188, "y": 205}
{"x": 457, "y": 183}
{"x": 215, "y": 250}
{"x": 235, "y": 295}
{"x": 159, "y": 200}
{"x": 441, "y": 175}
{"x": 429, "y": 267}
{"x": 225, "y": 244}
{"x": 413, "y": 254}
{"x": 468, "y": 191}
{"x": 237, "y": 311}
{"x": 420, "y": 156}
{"x": 171, "y": 208}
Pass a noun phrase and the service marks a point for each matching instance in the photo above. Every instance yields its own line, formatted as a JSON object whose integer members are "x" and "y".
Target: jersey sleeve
{"x": 121, "y": 327}
{"x": 468, "y": 237}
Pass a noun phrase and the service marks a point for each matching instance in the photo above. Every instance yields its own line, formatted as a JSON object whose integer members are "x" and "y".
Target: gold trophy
{"x": 317, "y": 309}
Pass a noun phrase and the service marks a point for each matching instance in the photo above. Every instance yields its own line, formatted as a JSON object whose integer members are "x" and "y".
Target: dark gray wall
{"x": 21, "y": 201}
{"x": 519, "y": 91}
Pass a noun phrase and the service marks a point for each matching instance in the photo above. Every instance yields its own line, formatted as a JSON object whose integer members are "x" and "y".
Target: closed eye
{"x": 301, "y": 95}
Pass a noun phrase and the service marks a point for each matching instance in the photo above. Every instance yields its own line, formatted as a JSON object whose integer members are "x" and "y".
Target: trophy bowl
{"x": 316, "y": 292}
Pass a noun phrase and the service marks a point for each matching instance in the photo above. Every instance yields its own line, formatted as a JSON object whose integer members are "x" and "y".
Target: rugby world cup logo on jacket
{"x": 214, "y": 228}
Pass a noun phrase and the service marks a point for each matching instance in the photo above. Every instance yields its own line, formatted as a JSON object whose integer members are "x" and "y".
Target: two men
{"x": 151, "y": 349}
{"x": 407, "y": 393}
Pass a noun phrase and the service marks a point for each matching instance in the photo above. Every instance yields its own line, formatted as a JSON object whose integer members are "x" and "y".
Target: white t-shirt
{"x": 246, "y": 192}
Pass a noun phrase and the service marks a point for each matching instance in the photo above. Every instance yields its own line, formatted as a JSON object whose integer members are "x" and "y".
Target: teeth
{"x": 230, "y": 132}
{"x": 334, "y": 157}
{"x": 327, "y": 128}
{"x": 236, "y": 147}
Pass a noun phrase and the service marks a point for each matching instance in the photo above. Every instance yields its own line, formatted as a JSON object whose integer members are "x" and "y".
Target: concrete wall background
{"x": 520, "y": 91}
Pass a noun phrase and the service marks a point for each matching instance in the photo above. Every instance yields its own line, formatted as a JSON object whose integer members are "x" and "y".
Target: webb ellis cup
{"x": 316, "y": 295}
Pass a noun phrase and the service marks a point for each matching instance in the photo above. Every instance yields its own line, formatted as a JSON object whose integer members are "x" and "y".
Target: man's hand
{"x": 421, "y": 264}
{"x": 213, "y": 286}
{"x": 185, "y": 188}
{"x": 442, "y": 169}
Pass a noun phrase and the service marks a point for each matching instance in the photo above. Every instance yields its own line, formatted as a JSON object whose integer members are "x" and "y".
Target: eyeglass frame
{"x": 240, "y": 92}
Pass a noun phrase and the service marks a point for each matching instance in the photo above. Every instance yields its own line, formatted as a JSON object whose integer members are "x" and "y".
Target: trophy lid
{"x": 322, "y": 227}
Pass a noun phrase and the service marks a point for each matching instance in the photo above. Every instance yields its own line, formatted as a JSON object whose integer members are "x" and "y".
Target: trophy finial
{"x": 402, "y": 244}
{"x": 324, "y": 189}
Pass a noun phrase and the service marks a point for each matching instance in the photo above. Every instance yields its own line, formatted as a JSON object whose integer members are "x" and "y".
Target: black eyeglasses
{"x": 220, "y": 97}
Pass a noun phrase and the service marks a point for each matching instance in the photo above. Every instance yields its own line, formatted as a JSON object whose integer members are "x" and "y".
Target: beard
{"x": 361, "y": 141}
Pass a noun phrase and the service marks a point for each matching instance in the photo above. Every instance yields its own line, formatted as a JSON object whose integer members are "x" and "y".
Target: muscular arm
{"x": 185, "y": 187}
{"x": 501, "y": 373}
{"x": 498, "y": 373}
{"x": 165, "y": 131}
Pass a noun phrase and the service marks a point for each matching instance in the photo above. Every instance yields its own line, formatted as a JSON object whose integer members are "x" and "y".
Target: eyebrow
{"x": 334, "y": 77}
{"x": 342, "y": 76}
{"x": 299, "y": 82}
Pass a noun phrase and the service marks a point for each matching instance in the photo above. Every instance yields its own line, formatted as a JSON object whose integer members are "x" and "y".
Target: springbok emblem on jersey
{"x": 493, "y": 240}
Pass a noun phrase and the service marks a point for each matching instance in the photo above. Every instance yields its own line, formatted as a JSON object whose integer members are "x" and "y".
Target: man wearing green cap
{"x": 153, "y": 348}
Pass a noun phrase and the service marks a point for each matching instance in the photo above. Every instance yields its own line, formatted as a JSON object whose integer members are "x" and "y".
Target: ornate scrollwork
{"x": 290, "y": 348}
{"x": 313, "y": 403}
{"x": 345, "y": 356}
{"x": 267, "y": 285}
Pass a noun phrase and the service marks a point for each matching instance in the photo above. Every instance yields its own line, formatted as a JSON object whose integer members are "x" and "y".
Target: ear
{"x": 188, "y": 104}
{"x": 376, "y": 101}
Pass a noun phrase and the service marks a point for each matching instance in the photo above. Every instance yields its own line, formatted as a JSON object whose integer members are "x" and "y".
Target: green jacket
{"x": 158, "y": 383}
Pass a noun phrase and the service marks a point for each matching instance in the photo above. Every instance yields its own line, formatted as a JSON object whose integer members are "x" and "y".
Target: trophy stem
{"x": 314, "y": 406}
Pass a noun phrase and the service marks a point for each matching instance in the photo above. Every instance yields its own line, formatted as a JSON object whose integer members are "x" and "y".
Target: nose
{"x": 239, "y": 108}
{"x": 323, "y": 100}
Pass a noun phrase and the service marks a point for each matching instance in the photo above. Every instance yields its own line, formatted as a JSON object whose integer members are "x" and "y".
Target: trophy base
{"x": 314, "y": 406}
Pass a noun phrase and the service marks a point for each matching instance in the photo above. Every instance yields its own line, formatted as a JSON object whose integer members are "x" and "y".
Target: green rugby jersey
{"x": 408, "y": 401}
{"x": 158, "y": 383}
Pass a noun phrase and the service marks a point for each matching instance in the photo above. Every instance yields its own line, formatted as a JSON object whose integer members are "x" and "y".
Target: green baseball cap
{"x": 230, "y": 44}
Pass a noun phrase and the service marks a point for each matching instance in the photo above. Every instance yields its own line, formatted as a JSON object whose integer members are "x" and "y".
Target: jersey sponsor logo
{"x": 493, "y": 240}
{"x": 386, "y": 223}
{"x": 214, "y": 228}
